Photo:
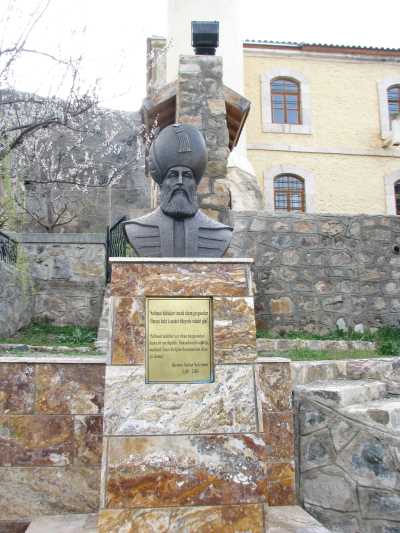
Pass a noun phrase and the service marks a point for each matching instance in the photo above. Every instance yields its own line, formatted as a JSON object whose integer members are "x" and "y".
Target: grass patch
{"x": 387, "y": 339}
{"x": 333, "y": 335}
{"x": 46, "y": 334}
{"x": 302, "y": 354}
{"x": 23, "y": 353}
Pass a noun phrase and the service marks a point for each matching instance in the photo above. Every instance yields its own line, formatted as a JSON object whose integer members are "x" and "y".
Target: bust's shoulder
{"x": 213, "y": 237}
{"x": 144, "y": 234}
{"x": 151, "y": 219}
{"x": 203, "y": 221}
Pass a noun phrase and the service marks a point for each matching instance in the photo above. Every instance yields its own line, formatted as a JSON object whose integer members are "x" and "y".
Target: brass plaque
{"x": 179, "y": 340}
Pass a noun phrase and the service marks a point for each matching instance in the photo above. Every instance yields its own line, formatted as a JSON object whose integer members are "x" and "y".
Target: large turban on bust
{"x": 178, "y": 145}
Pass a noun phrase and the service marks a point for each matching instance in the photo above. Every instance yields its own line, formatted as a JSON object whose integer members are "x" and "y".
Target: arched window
{"x": 285, "y": 101}
{"x": 289, "y": 193}
{"x": 397, "y": 196}
{"x": 393, "y": 98}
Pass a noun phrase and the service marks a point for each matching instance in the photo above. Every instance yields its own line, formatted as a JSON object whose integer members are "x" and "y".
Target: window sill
{"x": 287, "y": 128}
{"x": 285, "y": 212}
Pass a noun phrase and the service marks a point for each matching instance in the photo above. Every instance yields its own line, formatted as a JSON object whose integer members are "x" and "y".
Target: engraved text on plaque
{"x": 179, "y": 340}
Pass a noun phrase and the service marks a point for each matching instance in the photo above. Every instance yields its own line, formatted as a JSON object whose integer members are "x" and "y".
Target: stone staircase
{"x": 348, "y": 438}
{"x": 344, "y": 392}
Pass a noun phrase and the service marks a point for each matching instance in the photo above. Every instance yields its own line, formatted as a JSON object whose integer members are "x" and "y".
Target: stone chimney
{"x": 200, "y": 101}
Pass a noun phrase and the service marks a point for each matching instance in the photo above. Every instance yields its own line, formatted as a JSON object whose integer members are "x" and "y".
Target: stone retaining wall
{"x": 315, "y": 272}
{"x": 384, "y": 369}
{"x": 284, "y": 345}
{"x": 68, "y": 273}
{"x": 51, "y": 429}
{"x": 16, "y": 302}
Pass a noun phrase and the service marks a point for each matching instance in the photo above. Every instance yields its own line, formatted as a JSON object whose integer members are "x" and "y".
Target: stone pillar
{"x": 189, "y": 454}
{"x": 201, "y": 102}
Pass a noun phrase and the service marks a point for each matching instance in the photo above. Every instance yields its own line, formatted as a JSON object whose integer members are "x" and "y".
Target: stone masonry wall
{"x": 68, "y": 273}
{"x": 315, "y": 272}
{"x": 16, "y": 302}
{"x": 50, "y": 440}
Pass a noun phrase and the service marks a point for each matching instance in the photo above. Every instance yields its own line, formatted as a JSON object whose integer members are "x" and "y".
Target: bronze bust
{"x": 178, "y": 159}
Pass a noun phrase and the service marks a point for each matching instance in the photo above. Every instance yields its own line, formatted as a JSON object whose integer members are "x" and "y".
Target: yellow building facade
{"x": 337, "y": 148}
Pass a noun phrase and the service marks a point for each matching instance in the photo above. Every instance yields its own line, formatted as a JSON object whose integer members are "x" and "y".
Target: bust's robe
{"x": 159, "y": 235}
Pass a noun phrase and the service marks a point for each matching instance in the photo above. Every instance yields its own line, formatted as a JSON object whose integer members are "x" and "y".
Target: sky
{"x": 111, "y": 36}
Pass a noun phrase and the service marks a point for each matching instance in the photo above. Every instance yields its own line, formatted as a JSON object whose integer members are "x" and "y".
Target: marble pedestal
{"x": 194, "y": 457}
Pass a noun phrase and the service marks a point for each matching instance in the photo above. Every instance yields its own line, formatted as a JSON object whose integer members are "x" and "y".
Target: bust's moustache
{"x": 179, "y": 189}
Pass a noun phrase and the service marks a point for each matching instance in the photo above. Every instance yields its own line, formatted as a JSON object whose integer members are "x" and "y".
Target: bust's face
{"x": 178, "y": 193}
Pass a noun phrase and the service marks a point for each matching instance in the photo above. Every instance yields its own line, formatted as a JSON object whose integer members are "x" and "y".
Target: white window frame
{"x": 384, "y": 114}
{"x": 266, "y": 111}
{"x": 309, "y": 187}
{"x": 390, "y": 181}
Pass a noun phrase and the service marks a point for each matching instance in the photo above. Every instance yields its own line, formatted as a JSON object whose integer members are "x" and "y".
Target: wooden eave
{"x": 159, "y": 111}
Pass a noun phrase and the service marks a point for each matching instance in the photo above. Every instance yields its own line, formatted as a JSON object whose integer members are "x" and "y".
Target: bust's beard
{"x": 178, "y": 204}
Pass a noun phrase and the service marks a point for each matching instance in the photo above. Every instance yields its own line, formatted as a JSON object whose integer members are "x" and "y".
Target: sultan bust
{"x": 178, "y": 158}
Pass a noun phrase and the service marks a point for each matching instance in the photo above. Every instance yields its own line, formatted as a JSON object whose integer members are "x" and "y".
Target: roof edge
{"x": 324, "y": 48}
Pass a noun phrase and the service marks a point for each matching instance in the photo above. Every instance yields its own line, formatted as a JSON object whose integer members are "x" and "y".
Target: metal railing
{"x": 8, "y": 249}
{"x": 116, "y": 243}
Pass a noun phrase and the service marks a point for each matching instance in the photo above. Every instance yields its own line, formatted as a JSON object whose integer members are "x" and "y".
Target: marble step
{"x": 384, "y": 412}
{"x": 288, "y": 519}
{"x": 343, "y": 392}
{"x": 292, "y": 519}
{"x": 71, "y": 523}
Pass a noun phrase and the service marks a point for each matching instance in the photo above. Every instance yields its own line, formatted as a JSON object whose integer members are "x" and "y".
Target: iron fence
{"x": 8, "y": 249}
{"x": 116, "y": 244}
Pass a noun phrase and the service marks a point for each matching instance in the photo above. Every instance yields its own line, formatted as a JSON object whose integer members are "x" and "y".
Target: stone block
{"x": 184, "y": 470}
{"x": 33, "y": 440}
{"x": 281, "y": 484}
{"x": 273, "y": 388}
{"x": 204, "y": 186}
{"x": 183, "y": 279}
{"x": 342, "y": 432}
{"x": 377, "y": 234}
{"x": 309, "y": 371}
{"x": 317, "y": 450}
{"x": 336, "y": 521}
{"x": 128, "y": 339}
{"x": 244, "y": 347}
{"x": 281, "y": 225}
{"x": 17, "y": 388}
{"x": 18, "y": 526}
{"x": 226, "y": 518}
{"x": 69, "y": 389}
{"x": 134, "y": 408}
{"x": 381, "y": 526}
{"x": 282, "y": 306}
{"x": 88, "y": 439}
{"x": 371, "y": 460}
{"x": 216, "y": 106}
{"x": 290, "y": 257}
{"x": 72, "y": 489}
{"x": 304, "y": 226}
{"x": 278, "y": 435}
{"x": 313, "y": 417}
{"x": 377, "y": 503}
{"x": 215, "y": 200}
{"x": 291, "y": 519}
{"x": 329, "y": 487}
{"x": 383, "y": 412}
{"x": 333, "y": 228}
{"x": 343, "y": 392}
{"x": 79, "y": 523}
